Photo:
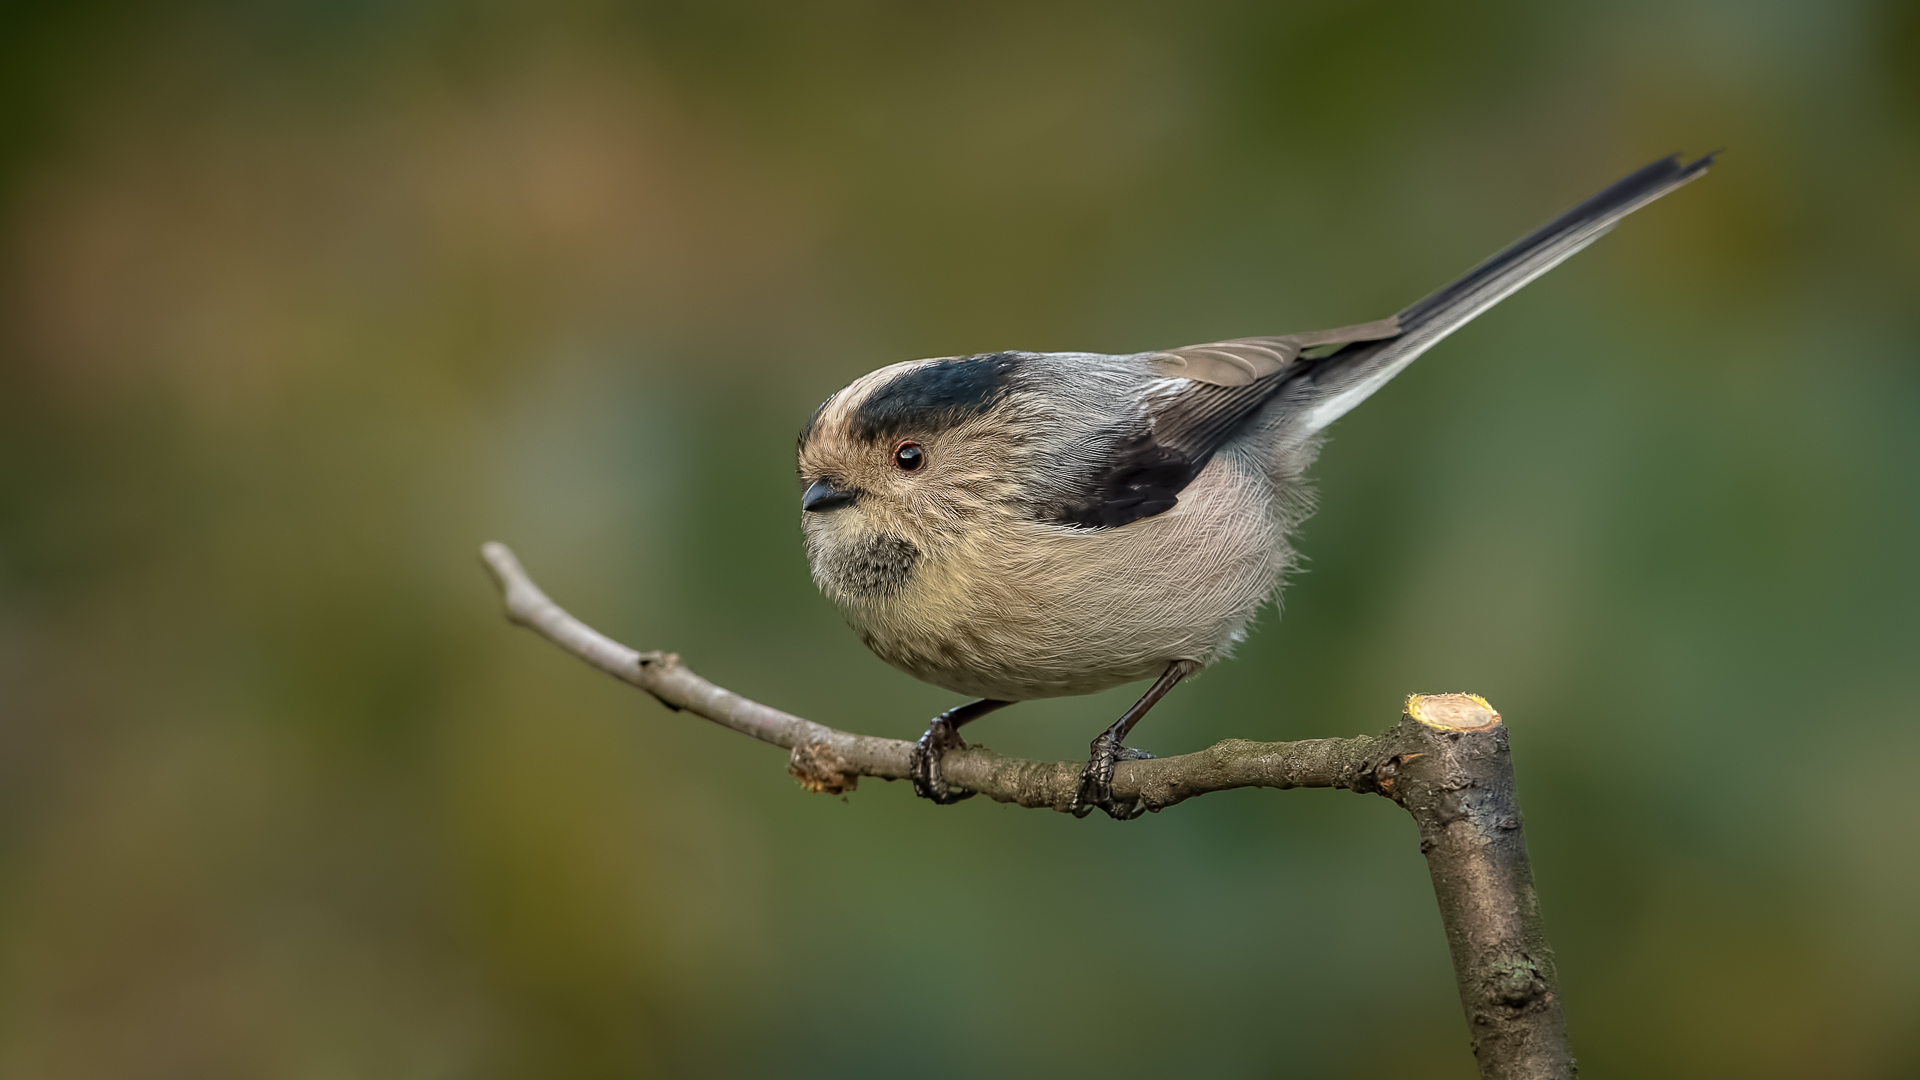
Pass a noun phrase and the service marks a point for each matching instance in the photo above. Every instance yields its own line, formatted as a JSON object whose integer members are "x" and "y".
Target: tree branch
{"x": 829, "y": 760}
{"x": 1446, "y": 762}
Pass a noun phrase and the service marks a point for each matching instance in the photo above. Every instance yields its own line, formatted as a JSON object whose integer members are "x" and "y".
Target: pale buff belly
{"x": 1031, "y": 611}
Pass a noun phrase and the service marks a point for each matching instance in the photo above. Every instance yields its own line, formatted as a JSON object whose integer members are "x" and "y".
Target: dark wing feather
{"x": 1138, "y": 468}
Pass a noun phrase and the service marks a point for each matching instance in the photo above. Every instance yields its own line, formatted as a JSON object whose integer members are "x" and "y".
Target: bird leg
{"x": 1096, "y": 781}
{"x": 923, "y": 761}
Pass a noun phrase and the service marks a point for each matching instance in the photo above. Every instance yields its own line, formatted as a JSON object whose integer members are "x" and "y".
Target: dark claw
{"x": 1096, "y": 780}
{"x": 923, "y": 763}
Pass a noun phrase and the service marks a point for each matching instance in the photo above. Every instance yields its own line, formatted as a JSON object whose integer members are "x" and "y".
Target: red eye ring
{"x": 908, "y": 457}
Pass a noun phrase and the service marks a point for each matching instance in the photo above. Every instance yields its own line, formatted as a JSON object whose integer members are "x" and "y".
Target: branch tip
{"x": 518, "y": 594}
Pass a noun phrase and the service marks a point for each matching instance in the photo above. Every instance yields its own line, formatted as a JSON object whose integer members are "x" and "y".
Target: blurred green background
{"x": 301, "y": 301}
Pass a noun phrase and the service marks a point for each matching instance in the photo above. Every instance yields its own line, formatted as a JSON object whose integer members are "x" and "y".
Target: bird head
{"x": 903, "y": 464}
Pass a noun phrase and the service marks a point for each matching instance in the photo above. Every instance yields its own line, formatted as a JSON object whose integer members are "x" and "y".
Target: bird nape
{"x": 1021, "y": 525}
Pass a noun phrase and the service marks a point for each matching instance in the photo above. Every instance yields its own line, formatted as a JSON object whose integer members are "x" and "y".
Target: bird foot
{"x": 923, "y": 763}
{"x": 1096, "y": 780}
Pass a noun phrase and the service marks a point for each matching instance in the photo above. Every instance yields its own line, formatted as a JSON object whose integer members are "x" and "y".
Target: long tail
{"x": 1339, "y": 381}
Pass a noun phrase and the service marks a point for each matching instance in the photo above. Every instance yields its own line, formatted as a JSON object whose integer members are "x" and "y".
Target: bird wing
{"x": 1138, "y": 467}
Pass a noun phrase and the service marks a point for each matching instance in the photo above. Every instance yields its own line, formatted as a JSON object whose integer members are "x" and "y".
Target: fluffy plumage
{"x": 1084, "y": 520}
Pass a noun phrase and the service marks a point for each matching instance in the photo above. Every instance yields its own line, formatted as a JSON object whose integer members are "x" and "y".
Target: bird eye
{"x": 909, "y": 456}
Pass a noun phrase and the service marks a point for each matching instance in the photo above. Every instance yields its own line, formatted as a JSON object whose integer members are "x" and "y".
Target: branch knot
{"x": 820, "y": 770}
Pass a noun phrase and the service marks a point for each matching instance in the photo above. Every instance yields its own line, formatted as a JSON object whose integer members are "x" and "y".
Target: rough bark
{"x": 1445, "y": 761}
{"x": 1454, "y": 774}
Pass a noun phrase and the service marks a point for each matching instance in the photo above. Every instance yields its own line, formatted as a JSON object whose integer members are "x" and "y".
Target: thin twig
{"x": 830, "y": 760}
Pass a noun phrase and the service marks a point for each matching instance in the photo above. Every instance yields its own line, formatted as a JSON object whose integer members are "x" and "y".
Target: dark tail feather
{"x": 1347, "y": 377}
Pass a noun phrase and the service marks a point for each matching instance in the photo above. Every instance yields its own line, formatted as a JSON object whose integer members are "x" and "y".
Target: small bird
{"x": 1020, "y": 525}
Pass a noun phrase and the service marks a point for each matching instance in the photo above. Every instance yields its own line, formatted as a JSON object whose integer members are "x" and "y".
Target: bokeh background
{"x": 301, "y": 301}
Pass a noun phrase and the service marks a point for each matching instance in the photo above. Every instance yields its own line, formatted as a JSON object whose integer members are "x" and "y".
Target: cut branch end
{"x": 1453, "y": 712}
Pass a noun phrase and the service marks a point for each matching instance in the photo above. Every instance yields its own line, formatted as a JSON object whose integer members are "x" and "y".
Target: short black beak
{"x": 823, "y": 496}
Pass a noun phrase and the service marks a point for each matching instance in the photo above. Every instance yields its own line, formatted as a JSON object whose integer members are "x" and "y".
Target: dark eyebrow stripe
{"x": 935, "y": 395}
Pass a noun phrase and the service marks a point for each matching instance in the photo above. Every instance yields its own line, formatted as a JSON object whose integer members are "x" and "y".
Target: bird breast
{"x": 1013, "y": 609}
